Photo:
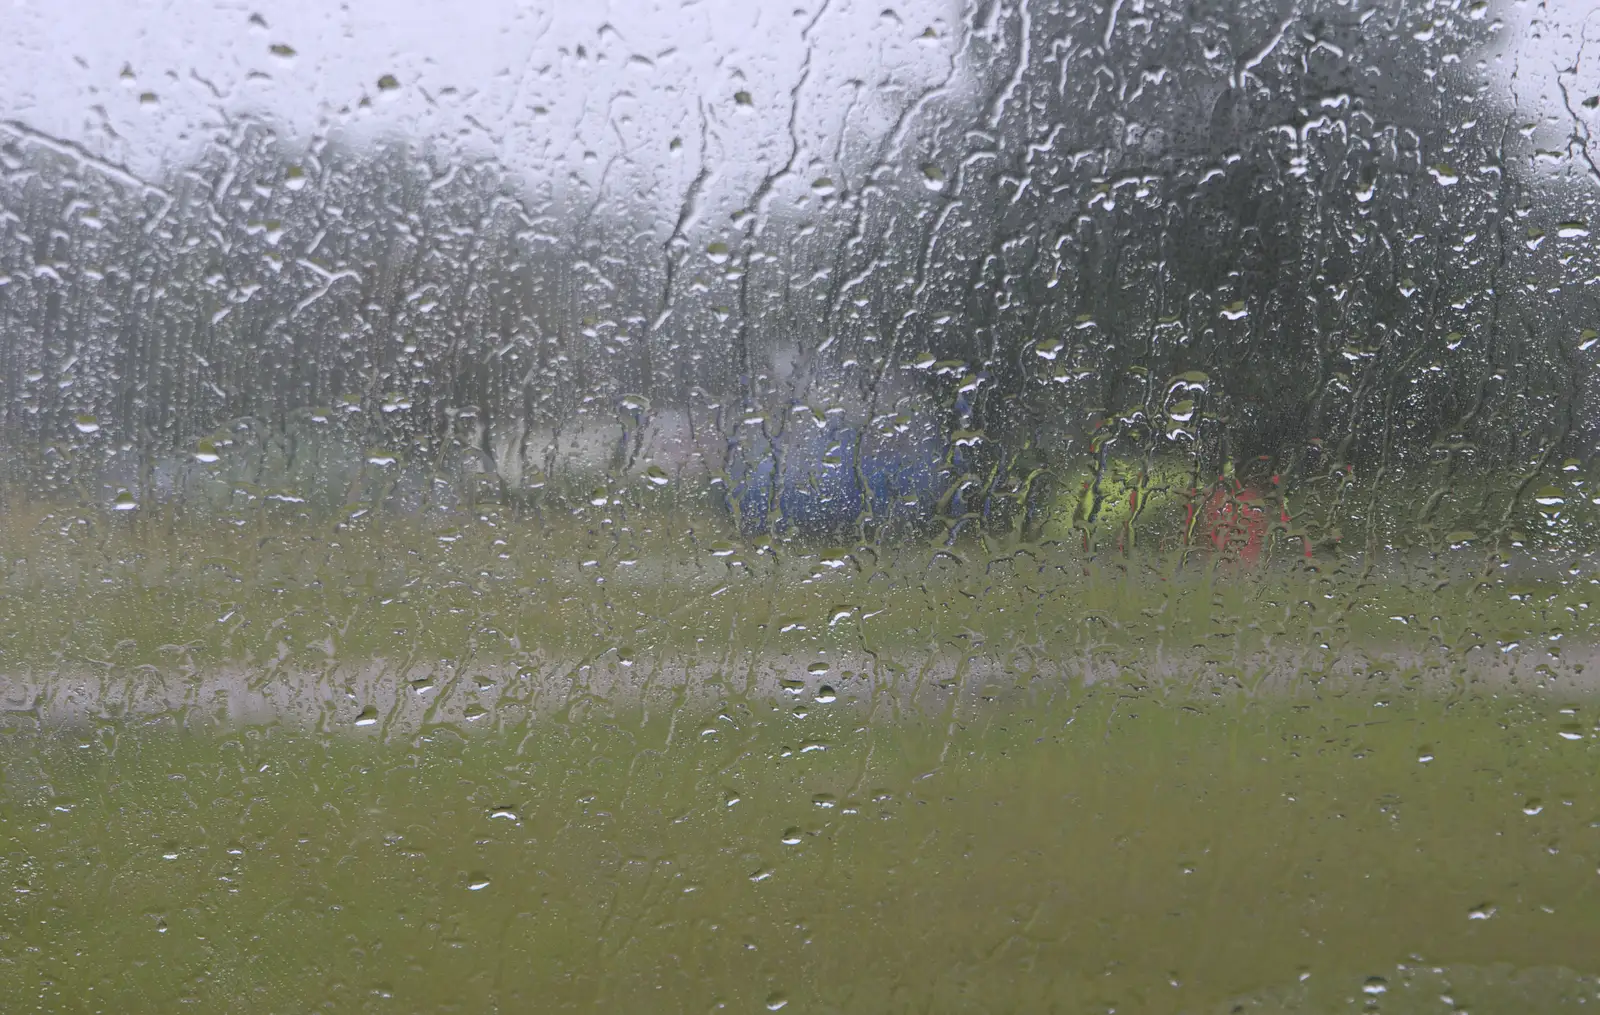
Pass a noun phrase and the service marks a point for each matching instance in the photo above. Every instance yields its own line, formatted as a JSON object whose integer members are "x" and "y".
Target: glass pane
{"x": 1016, "y": 506}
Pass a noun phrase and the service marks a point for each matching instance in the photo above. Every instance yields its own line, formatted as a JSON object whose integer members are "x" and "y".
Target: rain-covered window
{"x": 943, "y": 505}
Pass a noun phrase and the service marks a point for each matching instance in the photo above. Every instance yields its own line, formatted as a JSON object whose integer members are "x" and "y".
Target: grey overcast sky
{"x": 552, "y": 88}
{"x": 559, "y": 89}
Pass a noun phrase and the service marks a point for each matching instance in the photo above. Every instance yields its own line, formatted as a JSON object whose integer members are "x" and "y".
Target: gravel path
{"x": 386, "y": 697}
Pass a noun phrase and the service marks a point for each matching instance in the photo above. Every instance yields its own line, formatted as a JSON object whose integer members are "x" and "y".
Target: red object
{"x": 1234, "y": 521}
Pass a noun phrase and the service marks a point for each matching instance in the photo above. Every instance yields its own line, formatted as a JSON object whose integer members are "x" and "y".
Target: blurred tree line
{"x": 1295, "y": 239}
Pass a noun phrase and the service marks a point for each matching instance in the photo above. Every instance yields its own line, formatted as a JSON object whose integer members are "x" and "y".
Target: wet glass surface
{"x": 949, "y": 507}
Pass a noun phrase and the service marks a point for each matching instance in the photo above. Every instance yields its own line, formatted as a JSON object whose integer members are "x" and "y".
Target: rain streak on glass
{"x": 999, "y": 505}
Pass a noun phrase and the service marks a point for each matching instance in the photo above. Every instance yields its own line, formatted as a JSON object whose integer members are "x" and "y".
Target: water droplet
{"x": 717, "y": 252}
{"x": 933, "y": 177}
{"x": 791, "y": 837}
{"x": 504, "y": 813}
{"x": 776, "y": 1001}
{"x": 388, "y": 83}
{"x": 656, "y": 475}
{"x": 1532, "y": 807}
{"x": 477, "y": 883}
{"x": 368, "y": 716}
{"x": 1375, "y": 985}
{"x": 86, "y": 424}
{"x": 282, "y": 50}
{"x": 835, "y": 557}
{"x": 1482, "y": 911}
{"x": 825, "y": 694}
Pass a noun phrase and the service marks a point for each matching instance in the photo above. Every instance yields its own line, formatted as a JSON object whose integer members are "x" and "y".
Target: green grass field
{"x": 1107, "y": 848}
{"x": 516, "y": 765}
{"x": 98, "y": 591}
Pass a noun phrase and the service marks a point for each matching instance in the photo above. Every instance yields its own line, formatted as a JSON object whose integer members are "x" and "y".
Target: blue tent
{"x": 811, "y": 476}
